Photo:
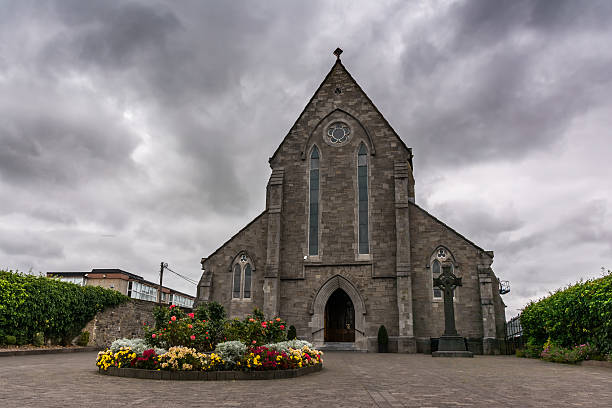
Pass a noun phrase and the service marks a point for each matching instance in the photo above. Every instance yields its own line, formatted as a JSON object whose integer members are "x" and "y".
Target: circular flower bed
{"x": 203, "y": 344}
{"x": 231, "y": 360}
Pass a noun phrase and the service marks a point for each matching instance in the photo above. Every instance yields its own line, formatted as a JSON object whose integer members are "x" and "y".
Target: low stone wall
{"x": 125, "y": 320}
{"x": 210, "y": 376}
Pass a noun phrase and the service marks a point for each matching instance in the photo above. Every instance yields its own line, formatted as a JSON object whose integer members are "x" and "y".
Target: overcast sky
{"x": 133, "y": 132}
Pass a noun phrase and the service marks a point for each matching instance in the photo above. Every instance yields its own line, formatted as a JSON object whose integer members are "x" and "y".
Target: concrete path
{"x": 348, "y": 380}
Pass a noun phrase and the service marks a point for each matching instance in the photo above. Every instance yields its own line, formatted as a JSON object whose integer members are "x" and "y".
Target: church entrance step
{"x": 338, "y": 346}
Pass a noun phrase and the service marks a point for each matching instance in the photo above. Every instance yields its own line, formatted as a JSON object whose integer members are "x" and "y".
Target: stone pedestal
{"x": 452, "y": 346}
{"x": 452, "y": 354}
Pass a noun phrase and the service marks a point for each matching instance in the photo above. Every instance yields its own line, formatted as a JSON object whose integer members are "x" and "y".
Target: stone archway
{"x": 317, "y": 310}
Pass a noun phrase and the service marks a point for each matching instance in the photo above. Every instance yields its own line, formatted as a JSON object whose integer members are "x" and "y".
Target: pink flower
{"x": 254, "y": 341}
{"x": 192, "y": 337}
{"x": 282, "y": 326}
{"x": 190, "y": 326}
{"x": 263, "y": 324}
{"x": 203, "y": 321}
{"x": 251, "y": 320}
{"x": 191, "y": 315}
{"x": 153, "y": 335}
{"x": 171, "y": 306}
{"x": 173, "y": 318}
{"x": 169, "y": 322}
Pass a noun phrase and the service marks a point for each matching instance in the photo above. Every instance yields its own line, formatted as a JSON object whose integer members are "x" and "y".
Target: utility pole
{"x": 161, "y": 278}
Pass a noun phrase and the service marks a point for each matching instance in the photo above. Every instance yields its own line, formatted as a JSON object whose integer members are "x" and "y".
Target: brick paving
{"x": 348, "y": 380}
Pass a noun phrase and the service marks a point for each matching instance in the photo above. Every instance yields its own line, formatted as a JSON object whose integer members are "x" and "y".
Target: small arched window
{"x": 313, "y": 228}
{"x": 242, "y": 276}
{"x": 440, "y": 259}
{"x": 435, "y": 270}
{"x": 362, "y": 185}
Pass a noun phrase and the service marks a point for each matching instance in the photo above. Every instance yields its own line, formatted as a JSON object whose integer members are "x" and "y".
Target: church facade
{"x": 342, "y": 248}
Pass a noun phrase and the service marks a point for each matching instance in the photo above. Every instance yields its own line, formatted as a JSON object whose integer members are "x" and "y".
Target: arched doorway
{"x": 339, "y": 318}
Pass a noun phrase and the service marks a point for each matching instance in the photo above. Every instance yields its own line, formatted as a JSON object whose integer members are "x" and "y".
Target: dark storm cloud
{"x": 28, "y": 245}
{"x": 138, "y": 130}
{"x": 498, "y": 80}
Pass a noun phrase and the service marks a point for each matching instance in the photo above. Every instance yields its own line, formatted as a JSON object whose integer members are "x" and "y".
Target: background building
{"x": 133, "y": 286}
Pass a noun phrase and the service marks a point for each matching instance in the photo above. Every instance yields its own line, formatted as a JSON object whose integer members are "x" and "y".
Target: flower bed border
{"x": 210, "y": 375}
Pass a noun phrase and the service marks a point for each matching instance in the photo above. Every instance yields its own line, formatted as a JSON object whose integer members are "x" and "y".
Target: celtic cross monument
{"x": 451, "y": 344}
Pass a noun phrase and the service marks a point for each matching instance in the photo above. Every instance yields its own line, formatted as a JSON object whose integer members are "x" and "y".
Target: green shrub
{"x": 231, "y": 351}
{"x": 179, "y": 329}
{"x": 383, "y": 337}
{"x": 83, "y": 339}
{"x": 38, "y": 339}
{"x": 30, "y": 304}
{"x": 577, "y": 314}
{"x": 10, "y": 340}
{"x": 292, "y": 333}
{"x": 254, "y": 330}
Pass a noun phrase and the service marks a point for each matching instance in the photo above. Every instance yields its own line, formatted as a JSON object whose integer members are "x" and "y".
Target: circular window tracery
{"x": 338, "y": 133}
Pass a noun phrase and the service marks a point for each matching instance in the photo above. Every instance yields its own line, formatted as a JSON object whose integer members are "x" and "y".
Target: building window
{"x": 76, "y": 280}
{"x": 440, "y": 260}
{"x": 237, "y": 281}
{"x": 242, "y": 271}
{"x": 313, "y": 230}
{"x": 436, "y": 270}
{"x": 138, "y": 290}
{"x": 338, "y": 133}
{"x": 362, "y": 181}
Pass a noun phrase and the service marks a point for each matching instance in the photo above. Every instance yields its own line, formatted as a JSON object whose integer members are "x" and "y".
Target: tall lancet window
{"x": 362, "y": 181}
{"x": 313, "y": 231}
{"x": 242, "y": 271}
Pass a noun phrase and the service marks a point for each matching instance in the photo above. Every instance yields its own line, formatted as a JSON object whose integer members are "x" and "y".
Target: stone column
{"x": 204, "y": 286}
{"x": 406, "y": 342}
{"x": 274, "y": 203}
{"x": 486, "y": 281}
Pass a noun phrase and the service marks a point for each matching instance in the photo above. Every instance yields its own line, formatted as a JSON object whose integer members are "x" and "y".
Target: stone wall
{"x": 252, "y": 241}
{"x": 125, "y": 320}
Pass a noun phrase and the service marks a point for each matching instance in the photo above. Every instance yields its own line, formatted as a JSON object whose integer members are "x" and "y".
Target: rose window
{"x": 338, "y": 132}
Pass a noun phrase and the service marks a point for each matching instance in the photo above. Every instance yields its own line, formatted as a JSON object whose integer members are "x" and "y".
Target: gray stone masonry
{"x": 125, "y": 320}
{"x": 392, "y": 284}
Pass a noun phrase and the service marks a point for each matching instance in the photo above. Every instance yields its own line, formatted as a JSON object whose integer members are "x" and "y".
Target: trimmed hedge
{"x": 578, "y": 314}
{"x": 32, "y": 304}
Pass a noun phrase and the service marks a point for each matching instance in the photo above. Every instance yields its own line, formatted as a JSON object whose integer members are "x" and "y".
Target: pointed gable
{"x": 339, "y": 92}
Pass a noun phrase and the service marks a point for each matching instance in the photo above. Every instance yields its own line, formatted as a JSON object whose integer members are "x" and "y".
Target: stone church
{"x": 342, "y": 248}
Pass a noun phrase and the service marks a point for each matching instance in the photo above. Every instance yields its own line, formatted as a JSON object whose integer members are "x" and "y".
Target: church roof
{"x": 488, "y": 253}
{"x": 338, "y": 64}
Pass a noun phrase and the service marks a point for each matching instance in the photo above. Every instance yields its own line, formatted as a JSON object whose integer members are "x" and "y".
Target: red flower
{"x": 171, "y": 306}
{"x": 254, "y": 341}
{"x": 203, "y": 321}
{"x": 153, "y": 335}
{"x": 192, "y": 337}
{"x": 282, "y": 326}
{"x": 278, "y": 319}
{"x": 191, "y": 315}
{"x": 173, "y": 318}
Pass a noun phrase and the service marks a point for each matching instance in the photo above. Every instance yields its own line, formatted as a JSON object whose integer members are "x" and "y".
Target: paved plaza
{"x": 348, "y": 380}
